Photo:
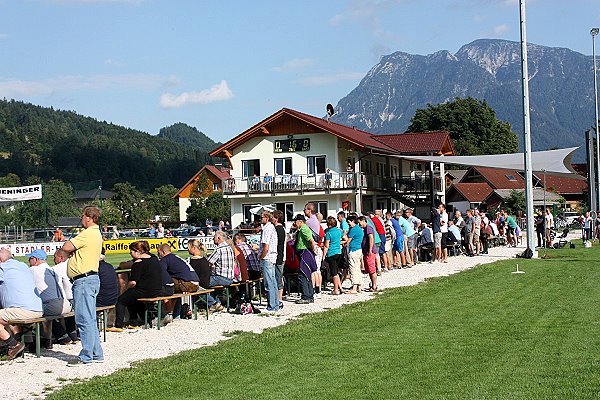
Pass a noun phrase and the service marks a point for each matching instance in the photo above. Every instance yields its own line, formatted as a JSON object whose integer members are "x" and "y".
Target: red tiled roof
{"x": 219, "y": 172}
{"x": 351, "y": 134}
{"x": 581, "y": 169}
{"x": 563, "y": 185}
{"x": 473, "y": 192}
{"x": 498, "y": 178}
{"x": 417, "y": 142}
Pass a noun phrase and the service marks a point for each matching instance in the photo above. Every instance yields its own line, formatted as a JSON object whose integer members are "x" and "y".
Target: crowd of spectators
{"x": 350, "y": 247}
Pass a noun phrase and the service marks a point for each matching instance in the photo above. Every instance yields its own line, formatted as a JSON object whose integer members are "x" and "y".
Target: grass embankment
{"x": 481, "y": 334}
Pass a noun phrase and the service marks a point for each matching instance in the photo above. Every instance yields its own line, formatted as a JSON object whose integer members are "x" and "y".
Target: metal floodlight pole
{"x": 591, "y": 170}
{"x": 594, "y": 32}
{"x": 527, "y": 131}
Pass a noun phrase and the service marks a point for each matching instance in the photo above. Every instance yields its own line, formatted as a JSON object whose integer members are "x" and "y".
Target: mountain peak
{"x": 491, "y": 54}
{"x": 561, "y": 97}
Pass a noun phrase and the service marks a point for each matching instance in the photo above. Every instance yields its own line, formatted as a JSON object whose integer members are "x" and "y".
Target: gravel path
{"x": 32, "y": 377}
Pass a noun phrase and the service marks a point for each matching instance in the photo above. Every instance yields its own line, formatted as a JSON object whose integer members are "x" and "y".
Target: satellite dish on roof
{"x": 330, "y": 111}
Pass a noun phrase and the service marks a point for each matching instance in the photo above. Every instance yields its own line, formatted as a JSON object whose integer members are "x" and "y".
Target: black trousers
{"x": 540, "y": 238}
{"x": 128, "y": 301}
{"x": 58, "y": 330}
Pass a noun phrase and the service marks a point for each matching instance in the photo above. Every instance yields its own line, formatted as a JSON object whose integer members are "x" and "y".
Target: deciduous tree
{"x": 130, "y": 202}
{"x": 214, "y": 207}
{"x": 161, "y": 202}
{"x": 472, "y": 124}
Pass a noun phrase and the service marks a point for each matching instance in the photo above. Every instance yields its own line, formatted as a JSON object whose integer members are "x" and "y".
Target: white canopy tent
{"x": 551, "y": 162}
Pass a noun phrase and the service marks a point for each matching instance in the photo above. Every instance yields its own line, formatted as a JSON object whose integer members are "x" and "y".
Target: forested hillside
{"x": 51, "y": 144}
{"x": 188, "y": 136}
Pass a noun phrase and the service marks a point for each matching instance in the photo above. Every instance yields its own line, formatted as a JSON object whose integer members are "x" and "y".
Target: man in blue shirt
{"x": 354, "y": 243}
{"x": 19, "y": 299}
{"x": 454, "y": 233}
{"x": 409, "y": 231}
{"x": 341, "y": 217}
{"x": 183, "y": 276}
{"x": 398, "y": 246}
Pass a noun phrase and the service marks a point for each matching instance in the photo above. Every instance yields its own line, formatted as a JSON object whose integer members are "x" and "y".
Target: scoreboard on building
{"x": 291, "y": 145}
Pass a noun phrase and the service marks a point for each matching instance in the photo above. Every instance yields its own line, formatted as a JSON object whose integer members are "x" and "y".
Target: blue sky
{"x": 222, "y": 66}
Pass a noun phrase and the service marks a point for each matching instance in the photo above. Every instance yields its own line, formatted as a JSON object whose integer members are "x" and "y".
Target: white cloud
{"x": 218, "y": 92}
{"x": 18, "y": 88}
{"x": 294, "y": 64}
{"x": 114, "y": 63}
{"x": 501, "y": 29}
{"x": 333, "y": 78}
{"x": 365, "y": 11}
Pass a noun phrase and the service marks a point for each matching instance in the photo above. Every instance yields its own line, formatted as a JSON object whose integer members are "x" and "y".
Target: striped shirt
{"x": 250, "y": 256}
{"x": 222, "y": 261}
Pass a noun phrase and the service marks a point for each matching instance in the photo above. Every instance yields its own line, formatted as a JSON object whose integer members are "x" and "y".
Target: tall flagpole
{"x": 527, "y": 130}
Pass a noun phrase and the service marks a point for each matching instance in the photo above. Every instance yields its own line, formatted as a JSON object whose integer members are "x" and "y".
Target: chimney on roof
{"x": 219, "y": 166}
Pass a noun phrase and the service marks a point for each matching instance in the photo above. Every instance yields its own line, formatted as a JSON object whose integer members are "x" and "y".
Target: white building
{"x": 291, "y": 158}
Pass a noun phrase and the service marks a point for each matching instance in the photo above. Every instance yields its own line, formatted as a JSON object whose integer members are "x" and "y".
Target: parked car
{"x": 43, "y": 236}
{"x": 571, "y": 217}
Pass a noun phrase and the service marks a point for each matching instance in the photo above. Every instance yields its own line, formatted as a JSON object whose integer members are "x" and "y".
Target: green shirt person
{"x": 304, "y": 238}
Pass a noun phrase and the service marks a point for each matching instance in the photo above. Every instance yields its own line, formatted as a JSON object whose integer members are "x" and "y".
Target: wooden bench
{"x": 36, "y": 322}
{"x": 248, "y": 283}
{"x": 149, "y": 301}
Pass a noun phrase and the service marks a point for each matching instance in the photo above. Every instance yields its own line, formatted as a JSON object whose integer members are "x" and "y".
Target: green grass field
{"x": 481, "y": 334}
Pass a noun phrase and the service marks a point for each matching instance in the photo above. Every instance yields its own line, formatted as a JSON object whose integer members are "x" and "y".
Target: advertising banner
{"x": 176, "y": 244}
{"x": 20, "y": 249}
{"x": 122, "y": 245}
{"x": 21, "y": 193}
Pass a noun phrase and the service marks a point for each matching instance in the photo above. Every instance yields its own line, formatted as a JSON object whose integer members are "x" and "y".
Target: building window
{"x": 366, "y": 167}
{"x": 287, "y": 209}
{"x": 322, "y": 208}
{"x": 316, "y": 164}
{"x": 249, "y": 218}
{"x": 283, "y": 166}
{"x": 380, "y": 169}
{"x": 216, "y": 186}
{"x": 511, "y": 178}
{"x": 250, "y": 168}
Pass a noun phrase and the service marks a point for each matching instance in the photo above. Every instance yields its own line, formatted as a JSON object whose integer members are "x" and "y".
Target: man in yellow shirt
{"x": 82, "y": 269}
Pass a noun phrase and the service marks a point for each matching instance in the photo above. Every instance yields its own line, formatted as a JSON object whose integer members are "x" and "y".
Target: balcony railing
{"x": 329, "y": 182}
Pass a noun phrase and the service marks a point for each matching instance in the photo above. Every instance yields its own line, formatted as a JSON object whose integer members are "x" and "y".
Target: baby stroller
{"x": 562, "y": 240}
